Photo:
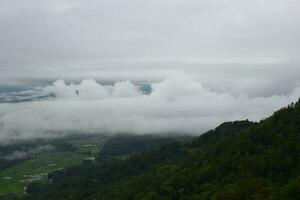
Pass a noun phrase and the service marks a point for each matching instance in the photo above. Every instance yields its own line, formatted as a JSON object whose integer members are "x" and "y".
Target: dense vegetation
{"x": 121, "y": 146}
{"x": 237, "y": 160}
{"x": 24, "y": 162}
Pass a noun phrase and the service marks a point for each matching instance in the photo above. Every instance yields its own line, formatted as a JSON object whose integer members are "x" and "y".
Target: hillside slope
{"x": 237, "y": 160}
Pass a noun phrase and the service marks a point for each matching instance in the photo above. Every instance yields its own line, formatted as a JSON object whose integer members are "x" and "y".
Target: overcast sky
{"x": 40, "y": 38}
{"x": 242, "y": 53}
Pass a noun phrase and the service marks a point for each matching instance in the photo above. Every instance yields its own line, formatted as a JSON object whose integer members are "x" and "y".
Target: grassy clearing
{"x": 15, "y": 178}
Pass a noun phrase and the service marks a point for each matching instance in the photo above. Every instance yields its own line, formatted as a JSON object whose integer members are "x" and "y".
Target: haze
{"x": 206, "y": 62}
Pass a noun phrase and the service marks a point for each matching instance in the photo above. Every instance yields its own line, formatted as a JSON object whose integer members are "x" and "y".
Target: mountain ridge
{"x": 237, "y": 160}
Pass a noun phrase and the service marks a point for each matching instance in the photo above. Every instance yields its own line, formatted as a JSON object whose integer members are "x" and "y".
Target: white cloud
{"x": 89, "y": 89}
{"x": 177, "y": 104}
{"x": 125, "y": 89}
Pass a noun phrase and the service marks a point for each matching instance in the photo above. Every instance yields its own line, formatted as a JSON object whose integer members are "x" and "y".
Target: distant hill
{"x": 237, "y": 160}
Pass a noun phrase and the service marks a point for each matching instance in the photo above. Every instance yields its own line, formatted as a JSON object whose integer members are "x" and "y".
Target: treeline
{"x": 121, "y": 146}
{"x": 237, "y": 160}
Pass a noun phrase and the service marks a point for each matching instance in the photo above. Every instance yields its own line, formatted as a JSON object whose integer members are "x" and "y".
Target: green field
{"x": 89, "y": 145}
{"x": 15, "y": 178}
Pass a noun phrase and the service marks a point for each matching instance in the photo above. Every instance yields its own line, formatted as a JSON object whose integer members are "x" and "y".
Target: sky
{"x": 206, "y": 61}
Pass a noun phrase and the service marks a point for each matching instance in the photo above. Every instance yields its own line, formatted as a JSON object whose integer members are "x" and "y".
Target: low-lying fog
{"x": 177, "y": 104}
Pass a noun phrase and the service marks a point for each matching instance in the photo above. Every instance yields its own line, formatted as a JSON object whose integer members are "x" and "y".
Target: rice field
{"x": 14, "y": 179}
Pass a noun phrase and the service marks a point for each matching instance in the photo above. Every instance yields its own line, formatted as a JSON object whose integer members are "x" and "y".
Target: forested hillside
{"x": 237, "y": 160}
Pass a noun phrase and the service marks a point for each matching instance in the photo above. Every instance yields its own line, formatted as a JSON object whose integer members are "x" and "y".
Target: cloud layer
{"x": 243, "y": 55}
{"x": 77, "y": 32}
{"x": 178, "y": 104}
